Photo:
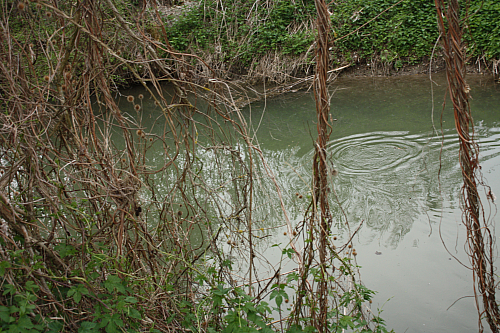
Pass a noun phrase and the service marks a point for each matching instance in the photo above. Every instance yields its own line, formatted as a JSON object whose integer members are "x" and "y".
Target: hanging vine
{"x": 479, "y": 236}
{"x": 320, "y": 165}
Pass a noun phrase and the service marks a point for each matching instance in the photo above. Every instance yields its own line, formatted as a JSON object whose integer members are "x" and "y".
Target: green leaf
{"x": 279, "y": 300}
{"x": 77, "y": 297}
{"x": 114, "y": 282}
{"x": 130, "y": 299}
{"x": 288, "y": 252}
{"x": 65, "y": 250}
{"x": 5, "y": 314}
{"x": 292, "y": 277}
{"x": 88, "y": 327}
{"x": 3, "y": 266}
{"x": 13, "y": 309}
{"x": 31, "y": 286}
{"x": 9, "y": 289}
{"x": 25, "y": 322}
{"x": 133, "y": 313}
{"x": 278, "y": 294}
{"x": 77, "y": 291}
{"x": 310, "y": 329}
{"x": 295, "y": 329}
{"x": 200, "y": 278}
{"x": 346, "y": 321}
{"x": 220, "y": 290}
{"x": 116, "y": 319}
{"x": 55, "y": 326}
{"x": 112, "y": 328}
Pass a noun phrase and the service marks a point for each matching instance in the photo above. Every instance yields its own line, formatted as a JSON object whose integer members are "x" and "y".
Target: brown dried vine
{"x": 89, "y": 190}
{"x": 326, "y": 272}
{"x": 320, "y": 165}
{"x": 67, "y": 184}
{"x": 479, "y": 236}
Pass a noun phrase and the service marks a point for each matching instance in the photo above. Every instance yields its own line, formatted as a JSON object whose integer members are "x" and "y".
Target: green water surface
{"x": 396, "y": 152}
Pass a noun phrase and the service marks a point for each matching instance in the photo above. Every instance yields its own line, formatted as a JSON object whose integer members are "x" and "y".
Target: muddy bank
{"x": 367, "y": 68}
{"x": 291, "y": 73}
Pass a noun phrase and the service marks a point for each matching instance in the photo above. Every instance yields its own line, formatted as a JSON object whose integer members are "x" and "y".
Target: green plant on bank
{"x": 114, "y": 298}
{"x": 240, "y": 312}
{"x": 113, "y": 309}
{"x": 482, "y": 29}
{"x": 349, "y": 312}
{"x": 406, "y": 30}
{"x": 243, "y": 37}
{"x": 17, "y": 315}
{"x": 116, "y": 309}
{"x": 223, "y": 308}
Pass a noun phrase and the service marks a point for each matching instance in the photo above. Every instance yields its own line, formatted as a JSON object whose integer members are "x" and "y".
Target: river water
{"x": 396, "y": 152}
{"x": 398, "y": 174}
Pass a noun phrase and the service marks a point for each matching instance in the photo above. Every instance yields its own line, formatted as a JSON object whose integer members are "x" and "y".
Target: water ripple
{"x": 388, "y": 179}
{"x": 374, "y": 152}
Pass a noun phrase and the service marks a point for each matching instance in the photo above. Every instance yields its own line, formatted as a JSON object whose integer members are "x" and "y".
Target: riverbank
{"x": 423, "y": 67}
{"x": 275, "y": 43}
{"x": 154, "y": 208}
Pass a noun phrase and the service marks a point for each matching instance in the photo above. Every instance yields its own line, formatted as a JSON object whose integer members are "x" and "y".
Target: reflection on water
{"x": 398, "y": 174}
{"x": 385, "y": 146}
{"x": 387, "y": 179}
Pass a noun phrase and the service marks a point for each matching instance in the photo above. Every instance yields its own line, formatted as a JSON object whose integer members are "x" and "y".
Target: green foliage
{"x": 115, "y": 310}
{"x": 279, "y": 294}
{"x": 403, "y": 34}
{"x": 18, "y": 313}
{"x": 483, "y": 33}
{"x": 77, "y": 292}
{"x": 245, "y": 37}
{"x": 243, "y": 315}
{"x": 114, "y": 307}
{"x": 407, "y": 30}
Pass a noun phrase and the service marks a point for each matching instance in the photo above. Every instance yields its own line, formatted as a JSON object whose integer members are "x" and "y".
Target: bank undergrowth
{"x": 274, "y": 39}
